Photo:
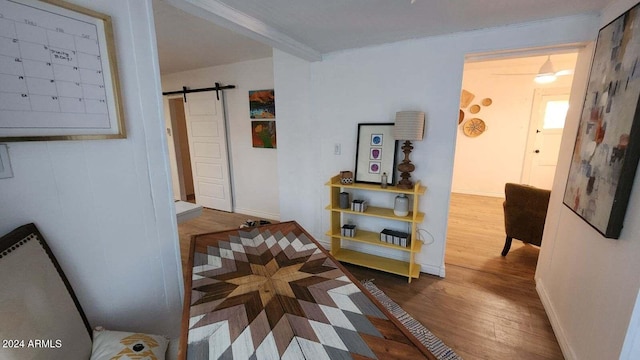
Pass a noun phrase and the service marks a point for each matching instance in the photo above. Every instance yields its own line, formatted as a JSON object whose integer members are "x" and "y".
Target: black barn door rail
{"x": 185, "y": 90}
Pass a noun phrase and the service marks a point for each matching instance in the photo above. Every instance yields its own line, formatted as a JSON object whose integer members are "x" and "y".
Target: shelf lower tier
{"x": 373, "y": 238}
{"x": 377, "y": 262}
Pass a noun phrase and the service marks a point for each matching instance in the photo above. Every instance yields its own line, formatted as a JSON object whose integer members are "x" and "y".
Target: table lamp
{"x": 409, "y": 127}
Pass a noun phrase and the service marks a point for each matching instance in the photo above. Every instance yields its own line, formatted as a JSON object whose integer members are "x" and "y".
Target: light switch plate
{"x": 5, "y": 165}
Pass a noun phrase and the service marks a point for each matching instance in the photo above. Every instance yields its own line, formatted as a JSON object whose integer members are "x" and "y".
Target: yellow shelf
{"x": 406, "y": 268}
{"x": 380, "y": 212}
{"x": 373, "y": 238}
{"x": 418, "y": 189}
{"x": 377, "y": 262}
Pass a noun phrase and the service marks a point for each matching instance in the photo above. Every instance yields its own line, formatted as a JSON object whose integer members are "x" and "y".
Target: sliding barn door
{"x": 208, "y": 148}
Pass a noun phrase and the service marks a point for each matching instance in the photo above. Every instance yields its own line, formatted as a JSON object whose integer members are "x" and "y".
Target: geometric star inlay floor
{"x": 272, "y": 292}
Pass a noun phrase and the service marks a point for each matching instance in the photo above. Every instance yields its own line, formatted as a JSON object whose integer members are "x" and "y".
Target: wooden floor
{"x": 209, "y": 221}
{"x": 486, "y": 307}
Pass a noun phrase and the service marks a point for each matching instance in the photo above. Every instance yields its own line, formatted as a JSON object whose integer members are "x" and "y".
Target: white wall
{"x": 483, "y": 164}
{"x": 631, "y": 347}
{"x": 105, "y": 206}
{"x": 298, "y": 139}
{"x": 329, "y": 98}
{"x": 589, "y": 284}
{"x": 255, "y": 176}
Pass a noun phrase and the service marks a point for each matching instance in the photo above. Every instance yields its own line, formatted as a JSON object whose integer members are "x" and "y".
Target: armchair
{"x": 42, "y": 317}
{"x": 525, "y": 210}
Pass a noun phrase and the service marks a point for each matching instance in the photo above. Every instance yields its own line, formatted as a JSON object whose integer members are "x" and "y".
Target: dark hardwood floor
{"x": 485, "y": 308}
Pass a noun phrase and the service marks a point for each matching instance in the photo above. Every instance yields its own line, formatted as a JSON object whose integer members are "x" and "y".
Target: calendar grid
{"x": 60, "y": 71}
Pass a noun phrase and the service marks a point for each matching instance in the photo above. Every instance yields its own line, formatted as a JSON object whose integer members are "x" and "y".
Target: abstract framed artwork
{"x": 375, "y": 153}
{"x": 262, "y": 104}
{"x": 607, "y": 147}
{"x": 263, "y": 134}
{"x": 59, "y": 73}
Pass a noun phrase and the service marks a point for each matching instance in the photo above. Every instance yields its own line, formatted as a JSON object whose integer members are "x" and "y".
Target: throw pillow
{"x": 119, "y": 345}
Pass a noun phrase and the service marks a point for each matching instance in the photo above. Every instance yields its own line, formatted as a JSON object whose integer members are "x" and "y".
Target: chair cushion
{"x": 108, "y": 345}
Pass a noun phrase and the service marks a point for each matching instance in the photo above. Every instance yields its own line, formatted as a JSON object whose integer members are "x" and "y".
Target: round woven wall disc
{"x": 474, "y": 109}
{"x": 487, "y": 101}
{"x": 460, "y": 117}
{"x": 473, "y": 127}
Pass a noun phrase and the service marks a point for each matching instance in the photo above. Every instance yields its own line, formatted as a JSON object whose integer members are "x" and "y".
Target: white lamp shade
{"x": 546, "y": 74}
{"x": 409, "y": 125}
{"x": 547, "y": 68}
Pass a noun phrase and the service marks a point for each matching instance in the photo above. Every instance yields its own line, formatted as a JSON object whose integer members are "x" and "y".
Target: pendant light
{"x": 546, "y": 74}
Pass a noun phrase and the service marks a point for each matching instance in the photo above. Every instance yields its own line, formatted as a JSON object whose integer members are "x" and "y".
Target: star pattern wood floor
{"x": 272, "y": 293}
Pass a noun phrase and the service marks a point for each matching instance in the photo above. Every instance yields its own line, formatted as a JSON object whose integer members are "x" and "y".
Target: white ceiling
{"x": 331, "y": 25}
{"x": 527, "y": 66}
{"x": 324, "y": 26}
{"x": 187, "y": 42}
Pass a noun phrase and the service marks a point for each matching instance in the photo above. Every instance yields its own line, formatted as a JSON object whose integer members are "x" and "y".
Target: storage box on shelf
{"x": 406, "y": 268}
{"x": 400, "y": 238}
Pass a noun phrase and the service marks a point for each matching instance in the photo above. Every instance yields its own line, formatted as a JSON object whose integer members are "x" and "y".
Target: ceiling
{"x": 527, "y": 66}
{"x": 186, "y": 41}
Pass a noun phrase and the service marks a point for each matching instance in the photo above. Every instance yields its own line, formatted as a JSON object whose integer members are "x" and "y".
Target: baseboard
{"x": 567, "y": 351}
{"x": 257, "y": 214}
{"x": 432, "y": 269}
{"x": 374, "y": 250}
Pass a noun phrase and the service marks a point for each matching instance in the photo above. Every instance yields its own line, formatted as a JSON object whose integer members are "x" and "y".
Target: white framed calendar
{"x": 58, "y": 73}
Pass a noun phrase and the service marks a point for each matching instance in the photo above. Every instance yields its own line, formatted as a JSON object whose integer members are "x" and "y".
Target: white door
{"x": 208, "y": 148}
{"x": 545, "y": 134}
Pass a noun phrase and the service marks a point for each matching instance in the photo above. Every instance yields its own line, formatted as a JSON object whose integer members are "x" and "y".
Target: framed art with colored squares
{"x": 375, "y": 153}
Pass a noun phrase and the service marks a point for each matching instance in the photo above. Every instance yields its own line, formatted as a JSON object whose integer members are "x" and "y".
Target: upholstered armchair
{"x": 42, "y": 318}
{"x": 525, "y": 209}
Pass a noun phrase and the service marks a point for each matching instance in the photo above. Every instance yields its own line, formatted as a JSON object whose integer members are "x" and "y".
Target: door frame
{"x": 525, "y": 52}
{"x": 179, "y": 192}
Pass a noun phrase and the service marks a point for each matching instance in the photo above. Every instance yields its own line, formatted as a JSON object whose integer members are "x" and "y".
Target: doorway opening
{"x": 517, "y": 141}
{"x": 206, "y": 138}
{"x": 181, "y": 146}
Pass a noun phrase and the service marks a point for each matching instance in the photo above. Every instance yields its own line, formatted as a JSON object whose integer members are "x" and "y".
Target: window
{"x": 554, "y": 114}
